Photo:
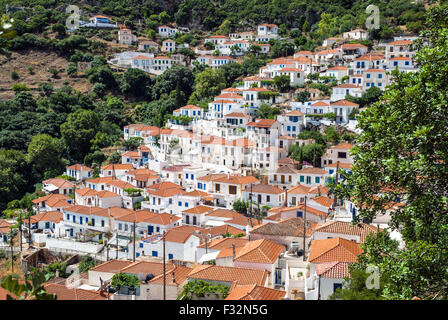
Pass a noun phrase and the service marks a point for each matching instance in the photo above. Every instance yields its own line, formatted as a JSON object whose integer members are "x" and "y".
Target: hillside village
{"x": 237, "y": 192}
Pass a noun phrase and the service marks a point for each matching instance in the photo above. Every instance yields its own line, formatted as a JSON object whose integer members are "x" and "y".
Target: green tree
{"x": 241, "y": 206}
{"x": 135, "y": 83}
{"x": 78, "y": 131}
{"x": 124, "y": 280}
{"x": 282, "y": 83}
{"x": 30, "y": 289}
{"x": 45, "y": 153}
{"x": 404, "y": 138}
{"x": 208, "y": 84}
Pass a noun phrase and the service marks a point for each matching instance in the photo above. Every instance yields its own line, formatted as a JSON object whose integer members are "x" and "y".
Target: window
{"x": 302, "y": 179}
{"x": 120, "y": 226}
{"x": 179, "y": 203}
{"x": 141, "y": 244}
{"x": 125, "y": 227}
{"x": 154, "y": 253}
{"x": 68, "y": 217}
{"x": 337, "y": 286}
{"x": 342, "y": 155}
{"x": 170, "y": 256}
{"x": 102, "y": 223}
{"x": 299, "y": 214}
{"x": 368, "y": 76}
{"x": 268, "y": 198}
{"x": 317, "y": 179}
{"x": 380, "y": 76}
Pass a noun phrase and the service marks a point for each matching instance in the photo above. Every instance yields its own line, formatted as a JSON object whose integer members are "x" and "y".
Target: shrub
{"x": 15, "y": 75}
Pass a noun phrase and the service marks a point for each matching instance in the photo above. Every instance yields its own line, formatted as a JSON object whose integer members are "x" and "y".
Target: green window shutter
{"x": 302, "y": 178}
{"x": 317, "y": 180}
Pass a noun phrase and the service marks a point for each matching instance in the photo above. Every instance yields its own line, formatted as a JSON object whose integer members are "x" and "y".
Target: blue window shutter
{"x": 170, "y": 256}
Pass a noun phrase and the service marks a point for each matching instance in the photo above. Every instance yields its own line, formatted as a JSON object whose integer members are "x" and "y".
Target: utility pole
{"x": 20, "y": 229}
{"x": 304, "y": 231}
{"x": 164, "y": 268}
{"x": 133, "y": 257}
{"x": 29, "y": 228}
{"x": 107, "y": 251}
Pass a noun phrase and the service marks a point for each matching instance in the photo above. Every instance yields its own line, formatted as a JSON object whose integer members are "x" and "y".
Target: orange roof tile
{"x": 335, "y": 249}
{"x": 260, "y": 251}
{"x": 254, "y": 292}
{"x": 242, "y": 276}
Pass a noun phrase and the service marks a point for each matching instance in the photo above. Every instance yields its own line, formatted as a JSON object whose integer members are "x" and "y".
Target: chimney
{"x": 233, "y": 249}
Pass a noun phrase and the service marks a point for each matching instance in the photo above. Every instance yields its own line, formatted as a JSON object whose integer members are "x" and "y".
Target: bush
{"x": 18, "y": 87}
{"x": 15, "y": 75}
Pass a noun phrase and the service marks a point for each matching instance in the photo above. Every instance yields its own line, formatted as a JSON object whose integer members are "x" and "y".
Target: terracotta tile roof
{"x": 353, "y": 45}
{"x": 264, "y": 188}
{"x": 121, "y": 184}
{"x": 118, "y": 212}
{"x": 60, "y": 183}
{"x": 166, "y": 192}
{"x": 212, "y": 177}
{"x": 83, "y": 192}
{"x": 287, "y": 169}
{"x": 258, "y": 89}
{"x": 237, "y": 180}
{"x": 101, "y": 180}
{"x": 344, "y": 103}
{"x": 162, "y": 219}
{"x": 333, "y": 270}
{"x": 344, "y": 146}
{"x": 313, "y": 171}
{"x": 260, "y": 251}
{"x": 335, "y": 249}
{"x": 77, "y": 167}
{"x": 341, "y": 227}
{"x": 163, "y": 185}
{"x": 88, "y": 210}
{"x": 299, "y": 189}
{"x": 324, "y": 201}
{"x": 294, "y": 113}
{"x": 64, "y": 293}
{"x": 400, "y": 58}
{"x": 198, "y": 210}
{"x": 180, "y": 276}
{"x": 237, "y": 115}
{"x": 178, "y": 235}
{"x": 338, "y": 68}
{"x": 301, "y": 206}
{"x": 53, "y": 216}
{"x": 241, "y": 142}
{"x": 292, "y": 227}
{"x": 320, "y": 104}
{"x": 145, "y": 267}
{"x": 241, "y": 220}
{"x": 225, "y": 228}
{"x": 242, "y": 276}
{"x": 131, "y": 154}
{"x": 137, "y": 216}
{"x": 111, "y": 266}
{"x": 224, "y": 213}
{"x": 118, "y": 166}
{"x": 254, "y": 292}
{"x": 196, "y": 193}
{"x": 262, "y": 123}
{"x": 218, "y": 244}
{"x": 399, "y": 43}
{"x": 229, "y": 96}
{"x": 54, "y": 200}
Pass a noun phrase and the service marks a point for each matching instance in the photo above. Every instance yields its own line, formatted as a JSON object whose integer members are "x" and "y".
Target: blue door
{"x": 71, "y": 232}
{"x": 150, "y": 230}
